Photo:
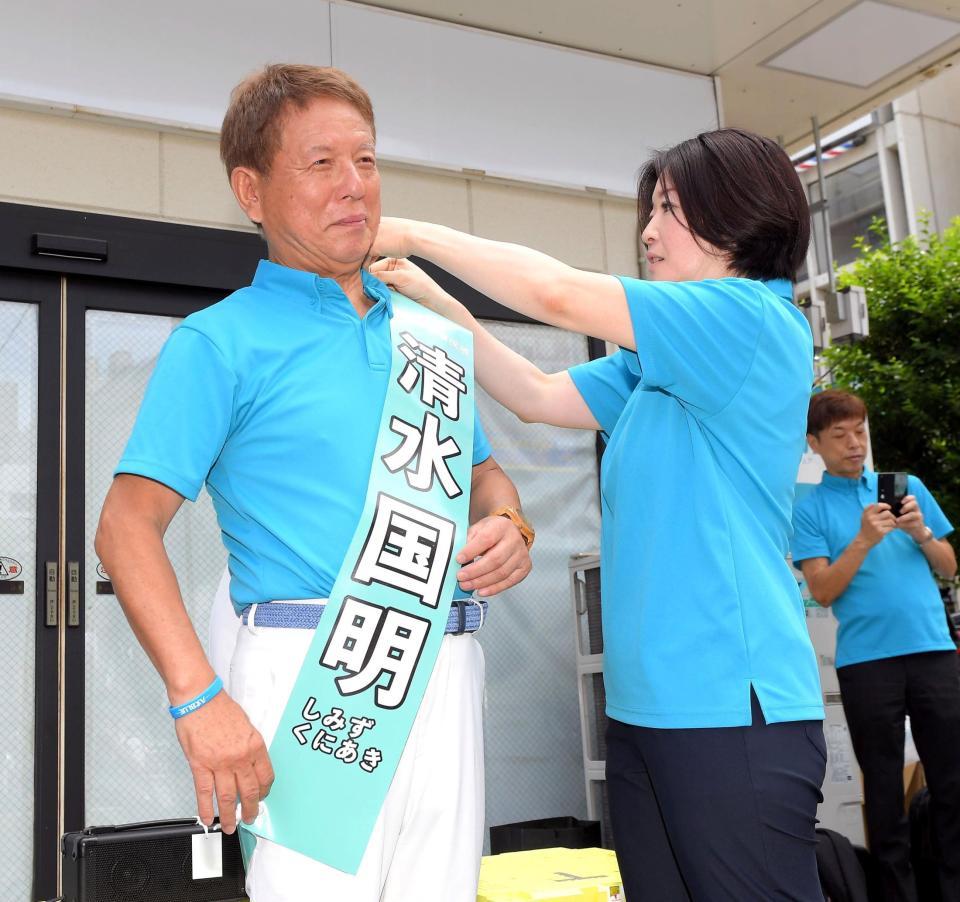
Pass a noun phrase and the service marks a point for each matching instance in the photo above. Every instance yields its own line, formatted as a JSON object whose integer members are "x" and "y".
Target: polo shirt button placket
{"x": 368, "y": 325}
{"x": 317, "y": 290}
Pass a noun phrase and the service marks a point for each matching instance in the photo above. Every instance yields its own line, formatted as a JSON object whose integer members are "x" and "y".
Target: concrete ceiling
{"x": 728, "y": 39}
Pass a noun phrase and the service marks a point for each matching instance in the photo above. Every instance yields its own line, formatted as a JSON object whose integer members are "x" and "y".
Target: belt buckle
{"x": 479, "y": 604}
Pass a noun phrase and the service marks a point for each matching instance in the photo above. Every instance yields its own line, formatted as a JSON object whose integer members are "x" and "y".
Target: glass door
{"x": 86, "y": 302}
{"x": 123, "y": 762}
{"x": 18, "y": 583}
{"x": 29, "y": 482}
{"x": 86, "y": 736}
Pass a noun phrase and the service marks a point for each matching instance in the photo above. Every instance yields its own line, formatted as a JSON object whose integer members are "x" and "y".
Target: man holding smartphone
{"x": 894, "y": 653}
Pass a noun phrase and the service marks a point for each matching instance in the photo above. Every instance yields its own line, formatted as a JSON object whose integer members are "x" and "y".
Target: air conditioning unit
{"x": 817, "y": 322}
{"x": 847, "y": 314}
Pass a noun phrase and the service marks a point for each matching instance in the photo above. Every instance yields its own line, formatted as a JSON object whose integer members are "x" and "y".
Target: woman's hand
{"x": 393, "y": 238}
{"x": 408, "y": 279}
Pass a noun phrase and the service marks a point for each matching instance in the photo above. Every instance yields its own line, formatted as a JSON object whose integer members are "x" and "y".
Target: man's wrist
{"x": 516, "y": 517}
{"x": 925, "y": 536}
{"x": 187, "y": 684}
{"x": 862, "y": 543}
{"x": 198, "y": 701}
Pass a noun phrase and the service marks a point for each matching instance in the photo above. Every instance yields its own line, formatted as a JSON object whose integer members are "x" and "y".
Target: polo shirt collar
{"x": 782, "y": 288}
{"x": 298, "y": 283}
{"x": 866, "y": 480}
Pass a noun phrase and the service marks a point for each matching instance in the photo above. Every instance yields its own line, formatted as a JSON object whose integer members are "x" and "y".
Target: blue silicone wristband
{"x": 198, "y": 701}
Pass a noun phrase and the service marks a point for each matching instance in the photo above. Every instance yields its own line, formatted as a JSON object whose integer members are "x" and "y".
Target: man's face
{"x": 673, "y": 252}
{"x": 320, "y": 203}
{"x": 843, "y": 447}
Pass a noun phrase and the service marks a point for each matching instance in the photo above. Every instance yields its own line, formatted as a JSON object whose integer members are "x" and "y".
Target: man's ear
{"x": 247, "y": 184}
{"x": 814, "y": 442}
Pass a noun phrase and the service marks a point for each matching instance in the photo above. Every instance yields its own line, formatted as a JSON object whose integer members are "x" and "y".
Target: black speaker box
{"x": 148, "y": 862}
{"x": 548, "y": 833}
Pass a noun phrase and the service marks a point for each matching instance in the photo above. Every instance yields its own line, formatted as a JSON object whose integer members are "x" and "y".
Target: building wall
{"x": 927, "y": 132}
{"x": 914, "y": 144}
{"x": 109, "y": 166}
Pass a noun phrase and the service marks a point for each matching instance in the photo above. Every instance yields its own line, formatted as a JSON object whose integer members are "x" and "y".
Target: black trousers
{"x": 876, "y": 697}
{"x": 717, "y": 814}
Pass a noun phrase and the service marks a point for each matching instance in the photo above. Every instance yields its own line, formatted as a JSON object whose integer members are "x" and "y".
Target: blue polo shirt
{"x": 272, "y": 398}
{"x": 705, "y": 425}
{"x": 892, "y": 605}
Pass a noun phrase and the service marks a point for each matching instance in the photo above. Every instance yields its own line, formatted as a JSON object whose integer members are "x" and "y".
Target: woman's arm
{"x": 512, "y": 380}
{"x": 522, "y": 279}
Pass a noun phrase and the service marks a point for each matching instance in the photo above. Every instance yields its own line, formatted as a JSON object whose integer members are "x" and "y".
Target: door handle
{"x": 51, "y": 594}
{"x": 73, "y": 593}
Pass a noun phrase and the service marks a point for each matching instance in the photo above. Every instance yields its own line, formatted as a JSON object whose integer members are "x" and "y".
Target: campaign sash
{"x": 348, "y": 716}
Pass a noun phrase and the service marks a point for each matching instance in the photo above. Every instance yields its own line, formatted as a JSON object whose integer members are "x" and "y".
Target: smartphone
{"x": 891, "y": 489}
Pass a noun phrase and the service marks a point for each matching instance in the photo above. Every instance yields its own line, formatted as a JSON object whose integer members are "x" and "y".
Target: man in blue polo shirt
{"x": 272, "y": 399}
{"x": 894, "y": 652}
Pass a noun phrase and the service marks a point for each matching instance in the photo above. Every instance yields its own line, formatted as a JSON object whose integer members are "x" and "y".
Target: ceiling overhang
{"x": 777, "y": 65}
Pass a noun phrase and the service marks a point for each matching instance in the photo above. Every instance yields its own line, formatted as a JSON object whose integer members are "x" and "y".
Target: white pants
{"x": 223, "y": 629}
{"x": 428, "y": 838}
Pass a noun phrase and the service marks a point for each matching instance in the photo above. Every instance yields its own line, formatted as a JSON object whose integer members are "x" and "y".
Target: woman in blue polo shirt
{"x": 715, "y": 751}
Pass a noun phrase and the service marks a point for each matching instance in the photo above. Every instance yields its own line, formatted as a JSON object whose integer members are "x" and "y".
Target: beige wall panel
{"x": 917, "y": 190}
{"x": 940, "y": 97}
{"x": 907, "y": 103}
{"x": 427, "y": 196}
{"x": 943, "y": 151}
{"x": 620, "y": 232}
{"x": 194, "y": 187}
{"x": 563, "y": 225}
{"x": 63, "y": 162}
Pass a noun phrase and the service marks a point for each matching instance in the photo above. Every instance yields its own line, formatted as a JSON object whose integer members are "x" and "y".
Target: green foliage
{"x": 908, "y": 370}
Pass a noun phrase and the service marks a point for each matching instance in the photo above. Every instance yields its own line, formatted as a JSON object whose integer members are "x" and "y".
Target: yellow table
{"x": 551, "y": 875}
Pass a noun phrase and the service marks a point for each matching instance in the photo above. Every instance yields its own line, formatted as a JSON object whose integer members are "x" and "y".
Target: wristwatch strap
{"x": 520, "y": 521}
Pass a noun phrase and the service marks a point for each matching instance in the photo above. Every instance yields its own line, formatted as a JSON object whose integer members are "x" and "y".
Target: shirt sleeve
{"x": 605, "y": 385}
{"x": 933, "y": 515}
{"x": 185, "y": 416}
{"x": 481, "y": 444}
{"x": 695, "y": 340}
{"x": 808, "y": 539}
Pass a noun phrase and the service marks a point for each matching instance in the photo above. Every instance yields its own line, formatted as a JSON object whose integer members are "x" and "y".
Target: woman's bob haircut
{"x": 740, "y": 193}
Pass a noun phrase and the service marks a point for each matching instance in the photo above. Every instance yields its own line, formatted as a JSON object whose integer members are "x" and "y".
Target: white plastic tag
{"x": 207, "y": 855}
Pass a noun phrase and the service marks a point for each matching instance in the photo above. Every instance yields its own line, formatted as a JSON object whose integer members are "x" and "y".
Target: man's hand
{"x": 911, "y": 519}
{"x": 394, "y": 238}
{"x": 876, "y": 522}
{"x": 227, "y": 755}
{"x": 503, "y": 557}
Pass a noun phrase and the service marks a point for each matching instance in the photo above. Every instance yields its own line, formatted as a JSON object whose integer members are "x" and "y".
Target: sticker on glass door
{"x": 11, "y": 576}
{"x": 104, "y": 586}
